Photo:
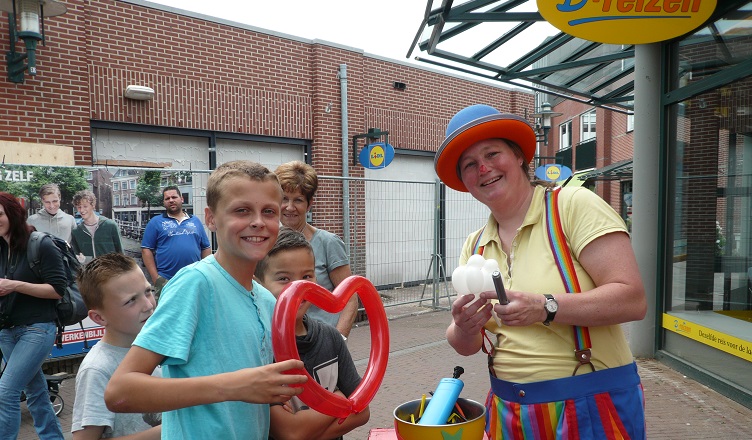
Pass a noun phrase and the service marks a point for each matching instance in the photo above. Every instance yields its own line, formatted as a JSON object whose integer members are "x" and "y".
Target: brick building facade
{"x": 218, "y": 76}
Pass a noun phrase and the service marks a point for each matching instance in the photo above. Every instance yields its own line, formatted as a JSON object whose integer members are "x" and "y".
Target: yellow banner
{"x": 626, "y": 21}
{"x": 713, "y": 338}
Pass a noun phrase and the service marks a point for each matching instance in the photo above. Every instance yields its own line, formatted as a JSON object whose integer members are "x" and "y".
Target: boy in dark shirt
{"x": 321, "y": 347}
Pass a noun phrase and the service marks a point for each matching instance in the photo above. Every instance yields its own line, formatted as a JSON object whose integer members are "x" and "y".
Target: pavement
{"x": 677, "y": 407}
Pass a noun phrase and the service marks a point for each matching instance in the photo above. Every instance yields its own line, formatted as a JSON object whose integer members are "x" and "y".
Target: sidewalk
{"x": 677, "y": 407}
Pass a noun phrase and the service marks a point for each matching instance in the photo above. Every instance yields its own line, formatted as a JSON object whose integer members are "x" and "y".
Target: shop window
{"x": 711, "y": 232}
{"x": 565, "y": 135}
{"x": 626, "y": 203}
{"x": 587, "y": 126}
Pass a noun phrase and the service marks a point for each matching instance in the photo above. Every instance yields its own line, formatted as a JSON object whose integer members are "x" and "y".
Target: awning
{"x": 509, "y": 41}
{"x": 621, "y": 170}
{"x": 576, "y": 179}
{"x": 484, "y": 38}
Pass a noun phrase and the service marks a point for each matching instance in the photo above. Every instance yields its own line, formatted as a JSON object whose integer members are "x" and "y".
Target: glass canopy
{"x": 509, "y": 41}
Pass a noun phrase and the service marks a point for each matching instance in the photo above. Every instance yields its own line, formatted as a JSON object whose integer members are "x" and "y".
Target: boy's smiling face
{"x": 127, "y": 302}
{"x": 246, "y": 220}
{"x": 286, "y": 266}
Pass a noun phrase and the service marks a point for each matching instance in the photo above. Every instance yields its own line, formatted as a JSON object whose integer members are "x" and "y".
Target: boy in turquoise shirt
{"x": 212, "y": 329}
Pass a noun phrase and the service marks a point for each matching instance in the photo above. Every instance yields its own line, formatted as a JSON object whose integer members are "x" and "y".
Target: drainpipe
{"x": 345, "y": 157}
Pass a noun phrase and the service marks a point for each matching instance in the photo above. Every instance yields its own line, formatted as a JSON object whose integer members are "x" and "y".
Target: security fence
{"x": 404, "y": 236}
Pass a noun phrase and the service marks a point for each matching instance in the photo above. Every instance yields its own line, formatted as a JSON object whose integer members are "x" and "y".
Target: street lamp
{"x": 544, "y": 116}
{"x": 30, "y": 30}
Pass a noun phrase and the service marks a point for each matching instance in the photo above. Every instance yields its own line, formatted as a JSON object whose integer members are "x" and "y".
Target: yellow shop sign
{"x": 730, "y": 344}
{"x": 626, "y": 21}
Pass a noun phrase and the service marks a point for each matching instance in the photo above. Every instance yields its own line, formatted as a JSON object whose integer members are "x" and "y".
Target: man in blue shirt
{"x": 172, "y": 240}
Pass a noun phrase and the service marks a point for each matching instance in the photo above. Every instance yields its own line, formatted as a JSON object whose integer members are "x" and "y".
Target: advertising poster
{"x": 128, "y": 196}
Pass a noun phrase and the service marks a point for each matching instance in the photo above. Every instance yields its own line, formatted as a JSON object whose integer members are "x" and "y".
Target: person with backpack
{"x": 27, "y": 322}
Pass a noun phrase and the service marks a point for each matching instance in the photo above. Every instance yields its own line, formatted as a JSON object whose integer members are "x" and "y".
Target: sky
{"x": 379, "y": 27}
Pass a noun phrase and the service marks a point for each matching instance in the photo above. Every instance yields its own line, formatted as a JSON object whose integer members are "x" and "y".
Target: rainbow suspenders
{"x": 563, "y": 258}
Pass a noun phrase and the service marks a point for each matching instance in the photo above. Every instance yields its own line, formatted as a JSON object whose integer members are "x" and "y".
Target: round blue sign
{"x": 553, "y": 172}
{"x": 376, "y": 155}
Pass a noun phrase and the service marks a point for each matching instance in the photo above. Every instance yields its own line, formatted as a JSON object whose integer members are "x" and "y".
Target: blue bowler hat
{"x": 474, "y": 124}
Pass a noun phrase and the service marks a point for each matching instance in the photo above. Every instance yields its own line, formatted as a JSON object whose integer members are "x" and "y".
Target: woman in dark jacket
{"x": 27, "y": 327}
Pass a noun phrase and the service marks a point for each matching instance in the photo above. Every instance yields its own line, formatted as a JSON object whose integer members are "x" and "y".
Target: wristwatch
{"x": 551, "y": 307}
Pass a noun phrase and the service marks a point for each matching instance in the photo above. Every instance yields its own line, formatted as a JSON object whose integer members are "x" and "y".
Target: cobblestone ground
{"x": 676, "y": 407}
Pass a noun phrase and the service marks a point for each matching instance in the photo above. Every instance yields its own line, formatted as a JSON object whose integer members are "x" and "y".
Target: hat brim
{"x": 499, "y": 126}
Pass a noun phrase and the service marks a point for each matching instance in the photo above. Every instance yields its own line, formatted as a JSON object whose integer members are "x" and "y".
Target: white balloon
{"x": 488, "y": 285}
{"x": 491, "y": 265}
{"x": 476, "y": 260}
{"x": 474, "y": 279}
{"x": 458, "y": 281}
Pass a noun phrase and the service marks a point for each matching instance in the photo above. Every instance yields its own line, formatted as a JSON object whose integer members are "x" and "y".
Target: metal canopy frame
{"x": 616, "y": 171}
{"x": 552, "y": 62}
{"x": 579, "y": 70}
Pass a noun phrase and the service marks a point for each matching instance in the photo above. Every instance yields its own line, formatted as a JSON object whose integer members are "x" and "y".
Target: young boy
{"x": 97, "y": 234}
{"x": 120, "y": 299}
{"x": 51, "y": 218}
{"x": 321, "y": 347}
{"x": 212, "y": 329}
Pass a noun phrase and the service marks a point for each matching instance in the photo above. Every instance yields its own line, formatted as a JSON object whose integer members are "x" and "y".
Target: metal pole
{"x": 647, "y": 147}
{"x": 345, "y": 157}
{"x": 436, "y": 238}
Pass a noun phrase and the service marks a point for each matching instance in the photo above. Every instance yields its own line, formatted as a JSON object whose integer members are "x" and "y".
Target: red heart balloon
{"x": 283, "y": 341}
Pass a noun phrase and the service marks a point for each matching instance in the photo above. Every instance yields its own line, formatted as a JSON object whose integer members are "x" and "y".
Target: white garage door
{"x": 187, "y": 153}
{"x": 400, "y": 221}
{"x": 268, "y": 154}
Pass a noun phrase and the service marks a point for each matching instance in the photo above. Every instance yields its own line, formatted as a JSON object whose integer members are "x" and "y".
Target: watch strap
{"x": 549, "y": 314}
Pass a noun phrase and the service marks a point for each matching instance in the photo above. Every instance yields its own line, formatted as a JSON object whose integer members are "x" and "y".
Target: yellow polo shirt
{"x": 538, "y": 352}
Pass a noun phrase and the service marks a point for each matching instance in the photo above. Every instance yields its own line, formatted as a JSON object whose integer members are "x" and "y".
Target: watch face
{"x": 552, "y": 306}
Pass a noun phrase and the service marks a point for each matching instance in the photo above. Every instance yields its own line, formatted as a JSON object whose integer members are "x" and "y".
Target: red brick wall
{"x": 213, "y": 76}
{"x": 205, "y": 75}
{"x": 417, "y": 116}
{"x": 613, "y": 142}
{"x": 217, "y": 77}
{"x": 53, "y": 106}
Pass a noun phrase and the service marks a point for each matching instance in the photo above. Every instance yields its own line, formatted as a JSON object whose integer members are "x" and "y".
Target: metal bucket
{"x": 472, "y": 429}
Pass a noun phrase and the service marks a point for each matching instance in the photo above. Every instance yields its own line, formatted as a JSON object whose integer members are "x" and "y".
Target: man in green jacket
{"x": 96, "y": 235}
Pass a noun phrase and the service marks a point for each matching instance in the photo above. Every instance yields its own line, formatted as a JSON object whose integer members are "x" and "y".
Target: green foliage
{"x": 70, "y": 181}
{"x": 148, "y": 189}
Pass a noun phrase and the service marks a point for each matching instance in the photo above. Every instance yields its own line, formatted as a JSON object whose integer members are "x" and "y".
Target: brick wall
{"x": 214, "y": 76}
{"x": 613, "y": 142}
{"x": 53, "y": 106}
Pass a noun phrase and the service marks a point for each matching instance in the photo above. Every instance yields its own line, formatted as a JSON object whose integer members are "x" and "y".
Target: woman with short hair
{"x": 299, "y": 183}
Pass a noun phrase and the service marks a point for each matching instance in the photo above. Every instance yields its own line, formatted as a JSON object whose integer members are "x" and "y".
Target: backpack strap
{"x": 32, "y": 252}
{"x": 564, "y": 262}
